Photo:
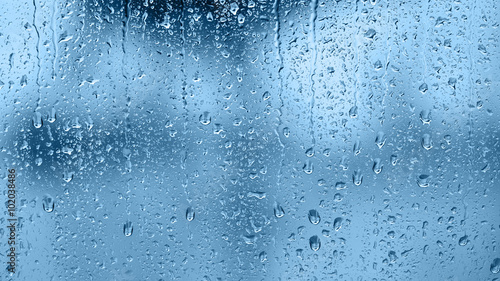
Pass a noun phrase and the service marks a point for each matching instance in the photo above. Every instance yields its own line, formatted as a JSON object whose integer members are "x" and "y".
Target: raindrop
{"x": 205, "y": 118}
{"x": 340, "y": 185}
{"x": 48, "y": 203}
{"x": 337, "y": 224}
{"x": 308, "y": 167}
{"x": 234, "y": 8}
{"x": 128, "y": 229}
{"x": 495, "y": 266}
{"x": 310, "y": 152}
{"x": 52, "y": 116}
{"x": 425, "y": 116}
{"x": 357, "y": 177}
{"x": 423, "y": 88}
{"x": 377, "y": 166}
{"x": 314, "y": 243}
{"x": 426, "y": 142}
{"x": 353, "y": 112}
{"x": 314, "y": 217}
{"x": 37, "y": 120}
{"x": 286, "y": 132}
{"x": 357, "y": 148}
{"x": 190, "y": 214}
{"x": 423, "y": 180}
{"x": 266, "y": 96}
{"x": 278, "y": 211}
{"x": 380, "y": 139}
{"x": 394, "y": 159}
{"x": 463, "y": 240}
{"x": 263, "y": 256}
{"x": 392, "y": 256}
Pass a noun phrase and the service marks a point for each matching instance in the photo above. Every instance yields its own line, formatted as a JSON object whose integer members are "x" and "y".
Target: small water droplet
{"x": 357, "y": 177}
{"x": 377, "y": 166}
{"x": 266, "y": 96}
{"x": 353, "y": 112}
{"x": 278, "y": 211}
{"x": 310, "y": 152}
{"x": 357, "y": 148}
{"x": 308, "y": 167}
{"x": 425, "y": 117}
{"x": 380, "y": 139}
{"x": 337, "y": 223}
{"x": 314, "y": 217}
{"x": 463, "y": 240}
{"x": 205, "y": 118}
{"x": 190, "y": 214}
{"x": 423, "y": 88}
{"x": 48, "y": 204}
{"x": 315, "y": 243}
{"x": 423, "y": 180}
{"x": 128, "y": 229}
{"x": 37, "y": 120}
{"x": 263, "y": 256}
{"x": 286, "y": 132}
{"x": 394, "y": 160}
{"x": 426, "y": 141}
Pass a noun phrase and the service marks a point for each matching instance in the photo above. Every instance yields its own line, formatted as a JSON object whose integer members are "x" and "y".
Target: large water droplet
{"x": 463, "y": 240}
{"x": 353, "y": 112}
{"x": 314, "y": 243}
{"x": 128, "y": 229}
{"x": 337, "y": 224}
{"x": 495, "y": 266}
{"x": 425, "y": 116}
{"x": 423, "y": 180}
{"x": 314, "y": 217}
{"x": 357, "y": 148}
{"x": 37, "y": 120}
{"x": 426, "y": 142}
{"x": 377, "y": 166}
{"x": 48, "y": 204}
{"x": 308, "y": 167}
{"x": 52, "y": 116}
{"x": 357, "y": 177}
{"x": 380, "y": 139}
{"x": 278, "y": 211}
{"x": 205, "y": 118}
{"x": 190, "y": 214}
{"x": 310, "y": 152}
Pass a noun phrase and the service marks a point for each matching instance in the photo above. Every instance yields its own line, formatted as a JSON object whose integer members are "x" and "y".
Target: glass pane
{"x": 250, "y": 140}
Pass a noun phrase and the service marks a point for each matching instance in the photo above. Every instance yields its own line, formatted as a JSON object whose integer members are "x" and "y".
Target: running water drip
{"x": 314, "y": 8}
{"x": 206, "y": 116}
{"x": 37, "y": 56}
{"x": 54, "y": 39}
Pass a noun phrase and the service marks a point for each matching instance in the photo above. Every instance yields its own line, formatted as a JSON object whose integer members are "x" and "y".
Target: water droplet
{"x": 263, "y": 256}
{"x": 314, "y": 217}
{"x": 67, "y": 176}
{"x": 52, "y": 116}
{"x": 205, "y": 118}
{"x": 380, "y": 139}
{"x": 423, "y": 88}
{"x": 495, "y": 266}
{"x": 423, "y": 180}
{"x": 286, "y": 132}
{"x": 241, "y": 18}
{"x": 463, "y": 240}
{"x": 338, "y": 197}
{"x": 190, "y": 214}
{"x": 48, "y": 204}
{"x": 425, "y": 116}
{"x": 392, "y": 256}
{"x": 357, "y": 148}
{"x": 308, "y": 167}
{"x": 128, "y": 229}
{"x": 278, "y": 211}
{"x": 377, "y": 166}
{"x": 370, "y": 33}
{"x": 340, "y": 185}
{"x": 394, "y": 160}
{"x": 310, "y": 152}
{"x": 314, "y": 243}
{"x": 337, "y": 224}
{"x": 426, "y": 141}
{"x": 357, "y": 177}
{"x": 37, "y": 120}
{"x": 266, "y": 96}
{"x": 234, "y": 8}
{"x": 353, "y": 112}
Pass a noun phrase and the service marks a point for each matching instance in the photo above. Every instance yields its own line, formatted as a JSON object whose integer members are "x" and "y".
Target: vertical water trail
{"x": 54, "y": 39}
{"x": 184, "y": 152}
{"x": 37, "y": 57}
{"x": 277, "y": 44}
{"x": 312, "y": 42}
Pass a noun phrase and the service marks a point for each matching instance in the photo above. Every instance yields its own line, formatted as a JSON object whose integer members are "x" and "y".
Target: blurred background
{"x": 252, "y": 140}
